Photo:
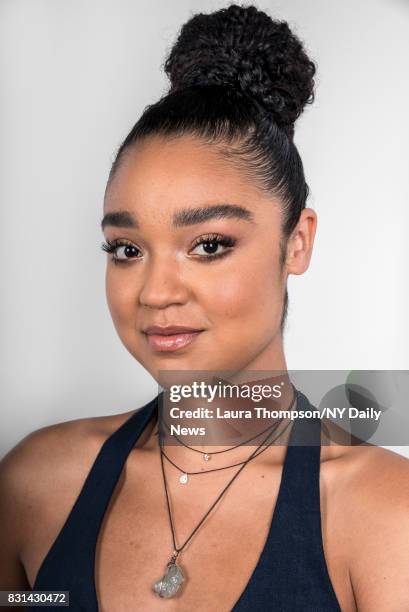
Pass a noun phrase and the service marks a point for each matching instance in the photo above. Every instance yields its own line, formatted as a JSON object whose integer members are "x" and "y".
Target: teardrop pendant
{"x": 183, "y": 478}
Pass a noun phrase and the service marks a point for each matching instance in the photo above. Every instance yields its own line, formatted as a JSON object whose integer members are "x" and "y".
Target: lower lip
{"x": 159, "y": 342}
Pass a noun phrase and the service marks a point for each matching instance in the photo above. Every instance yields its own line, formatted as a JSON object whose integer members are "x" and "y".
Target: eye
{"x": 122, "y": 251}
{"x": 211, "y": 243}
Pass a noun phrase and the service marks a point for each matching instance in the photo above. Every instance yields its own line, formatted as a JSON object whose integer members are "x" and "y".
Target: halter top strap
{"x": 293, "y": 556}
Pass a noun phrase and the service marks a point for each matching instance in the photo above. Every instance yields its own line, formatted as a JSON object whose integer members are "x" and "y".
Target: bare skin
{"x": 364, "y": 490}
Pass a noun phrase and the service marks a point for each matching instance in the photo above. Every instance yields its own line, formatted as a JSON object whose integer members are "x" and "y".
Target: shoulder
{"x": 381, "y": 564}
{"x": 49, "y": 448}
{"x": 371, "y": 487}
{"x": 42, "y": 475}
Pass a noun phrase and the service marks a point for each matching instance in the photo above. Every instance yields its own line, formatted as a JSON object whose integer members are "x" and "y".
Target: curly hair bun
{"x": 242, "y": 47}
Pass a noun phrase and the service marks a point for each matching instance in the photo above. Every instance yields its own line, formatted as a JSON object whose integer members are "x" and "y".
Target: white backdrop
{"x": 75, "y": 76}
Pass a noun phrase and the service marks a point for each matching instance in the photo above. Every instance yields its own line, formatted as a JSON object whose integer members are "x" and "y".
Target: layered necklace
{"x": 169, "y": 584}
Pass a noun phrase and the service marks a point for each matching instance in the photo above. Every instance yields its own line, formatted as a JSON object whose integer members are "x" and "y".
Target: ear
{"x": 300, "y": 243}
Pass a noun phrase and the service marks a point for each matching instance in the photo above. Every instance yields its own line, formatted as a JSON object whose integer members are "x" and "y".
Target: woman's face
{"x": 166, "y": 276}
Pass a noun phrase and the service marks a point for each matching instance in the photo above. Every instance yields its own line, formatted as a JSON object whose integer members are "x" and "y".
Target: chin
{"x": 184, "y": 367}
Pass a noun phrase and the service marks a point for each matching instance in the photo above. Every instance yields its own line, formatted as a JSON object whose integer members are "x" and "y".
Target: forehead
{"x": 162, "y": 174}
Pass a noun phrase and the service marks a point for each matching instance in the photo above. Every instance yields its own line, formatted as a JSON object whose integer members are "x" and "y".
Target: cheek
{"x": 121, "y": 296}
{"x": 249, "y": 294}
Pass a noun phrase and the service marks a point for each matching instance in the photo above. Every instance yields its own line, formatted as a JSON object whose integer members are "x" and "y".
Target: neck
{"x": 230, "y": 413}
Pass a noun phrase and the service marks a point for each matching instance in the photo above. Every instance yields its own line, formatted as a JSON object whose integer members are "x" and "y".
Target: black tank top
{"x": 291, "y": 574}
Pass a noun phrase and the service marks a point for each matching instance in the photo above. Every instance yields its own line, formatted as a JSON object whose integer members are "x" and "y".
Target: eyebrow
{"x": 183, "y": 217}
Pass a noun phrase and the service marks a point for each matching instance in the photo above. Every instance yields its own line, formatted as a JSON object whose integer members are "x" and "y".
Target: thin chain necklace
{"x": 184, "y": 477}
{"x": 173, "y": 578}
{"x": 208, "y": 456}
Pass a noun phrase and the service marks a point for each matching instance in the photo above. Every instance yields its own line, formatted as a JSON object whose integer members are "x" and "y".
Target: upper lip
{"x": 169, "y": 329}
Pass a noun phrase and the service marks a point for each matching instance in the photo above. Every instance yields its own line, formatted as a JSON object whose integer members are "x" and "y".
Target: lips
{"x": 171, "y": 337}
{"x": 168, "y": 330}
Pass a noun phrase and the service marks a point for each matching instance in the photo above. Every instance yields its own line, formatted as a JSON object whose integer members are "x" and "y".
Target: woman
{"x": 205, "y": 218}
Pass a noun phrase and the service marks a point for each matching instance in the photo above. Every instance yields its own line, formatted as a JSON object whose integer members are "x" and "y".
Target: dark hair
{"x": 239, "y": 80}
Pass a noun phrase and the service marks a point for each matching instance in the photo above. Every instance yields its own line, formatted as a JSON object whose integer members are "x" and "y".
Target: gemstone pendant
{"x": 170, "y": 582}
{"x": 206, "y": 457}
{"x": 183, "y": 478}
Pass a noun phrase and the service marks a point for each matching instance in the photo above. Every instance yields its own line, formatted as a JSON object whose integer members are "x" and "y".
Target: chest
{"x": 218, "y": 562}
{"x": 221, "y": 559}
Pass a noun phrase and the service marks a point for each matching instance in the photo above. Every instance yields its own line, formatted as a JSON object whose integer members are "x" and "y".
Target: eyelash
{"x": 226, "y": 241}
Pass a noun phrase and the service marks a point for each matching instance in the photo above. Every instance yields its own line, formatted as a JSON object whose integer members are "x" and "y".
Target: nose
{"x": 162, "y": 284}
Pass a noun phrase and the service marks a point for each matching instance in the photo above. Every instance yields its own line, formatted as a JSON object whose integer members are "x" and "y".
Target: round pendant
{"x": 183, "y": 478}
{"x": 206, "y": 457}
